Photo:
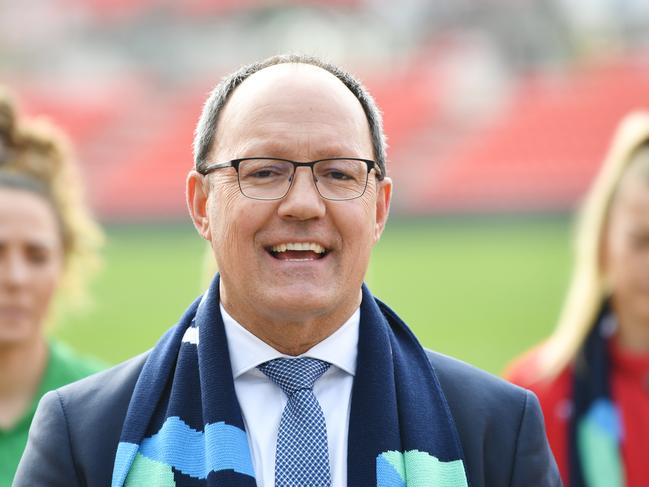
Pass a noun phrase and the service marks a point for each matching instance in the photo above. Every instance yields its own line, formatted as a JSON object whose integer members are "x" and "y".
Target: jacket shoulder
{"x": 500, "y": 426}
{"x": 95, "y": 408}
{"x": 76, "y": 429}
{"x": 468, "y": 382}
{"x": 108, "y": 385}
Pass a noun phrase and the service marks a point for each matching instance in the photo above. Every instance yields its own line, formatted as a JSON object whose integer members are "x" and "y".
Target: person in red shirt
{"x": 592, "y": 374}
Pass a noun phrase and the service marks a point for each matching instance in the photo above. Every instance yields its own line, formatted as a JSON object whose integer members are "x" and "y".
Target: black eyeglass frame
{"x": 310, "y": 164}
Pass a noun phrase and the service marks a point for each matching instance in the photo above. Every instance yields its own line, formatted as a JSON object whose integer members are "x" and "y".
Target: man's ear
{"x": 197, "y": 195}
{"x": 383, "y": 198}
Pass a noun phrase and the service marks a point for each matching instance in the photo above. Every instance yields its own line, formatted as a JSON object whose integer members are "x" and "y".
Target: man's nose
{"x": 303, "y": 201}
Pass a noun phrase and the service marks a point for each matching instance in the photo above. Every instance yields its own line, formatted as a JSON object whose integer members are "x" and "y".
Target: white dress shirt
{"x": 262, "y": 401}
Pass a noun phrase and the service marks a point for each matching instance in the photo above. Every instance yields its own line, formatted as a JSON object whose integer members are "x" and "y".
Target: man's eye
{"x": 263, "y": 173}
{"x": 339, "y": 175}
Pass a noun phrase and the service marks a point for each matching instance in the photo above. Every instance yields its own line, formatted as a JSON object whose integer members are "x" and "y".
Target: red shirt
{"x": 630, "y": 390}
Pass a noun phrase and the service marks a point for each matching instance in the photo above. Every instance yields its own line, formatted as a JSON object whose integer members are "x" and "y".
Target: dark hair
{"x": 207, "y": 123}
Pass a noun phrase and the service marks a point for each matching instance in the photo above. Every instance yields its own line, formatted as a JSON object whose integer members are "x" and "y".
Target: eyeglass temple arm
{"x": 219, "y": 165}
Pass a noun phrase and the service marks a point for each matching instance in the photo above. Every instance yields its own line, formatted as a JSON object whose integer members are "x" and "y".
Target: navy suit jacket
{"x": 74, "y": 435}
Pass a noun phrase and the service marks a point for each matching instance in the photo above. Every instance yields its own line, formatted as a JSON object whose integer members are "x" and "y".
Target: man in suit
{"x": 288, "y": 372}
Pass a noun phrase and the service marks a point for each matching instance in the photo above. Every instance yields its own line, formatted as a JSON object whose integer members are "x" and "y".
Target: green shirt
{"x": 63, "y": 366}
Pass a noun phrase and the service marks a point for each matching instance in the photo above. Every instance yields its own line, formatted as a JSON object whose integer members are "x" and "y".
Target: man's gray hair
{"x": 207, "y": 124}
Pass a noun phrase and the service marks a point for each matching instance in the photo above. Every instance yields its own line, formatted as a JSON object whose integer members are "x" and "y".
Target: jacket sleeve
{"x": 534, "y": 463}
{"x": 47, "y": 459}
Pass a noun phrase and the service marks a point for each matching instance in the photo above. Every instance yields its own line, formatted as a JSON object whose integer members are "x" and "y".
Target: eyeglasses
{"x": 267, "y": 178}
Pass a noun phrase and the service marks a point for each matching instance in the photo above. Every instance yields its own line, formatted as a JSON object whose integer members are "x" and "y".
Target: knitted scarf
{"x": 184, "y": 426}
{"x": 595, "y": 430}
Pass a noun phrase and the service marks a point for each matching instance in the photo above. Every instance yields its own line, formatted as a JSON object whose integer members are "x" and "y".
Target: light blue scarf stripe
{"x": 123, "y": 460}
{"x": 220, "y": 447}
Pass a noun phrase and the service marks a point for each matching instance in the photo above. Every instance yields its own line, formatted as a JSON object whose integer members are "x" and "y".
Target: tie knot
{"x": 294, "y": 374}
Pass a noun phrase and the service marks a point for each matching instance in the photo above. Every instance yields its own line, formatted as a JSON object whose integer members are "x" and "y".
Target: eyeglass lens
{"x": 339, "y": 179}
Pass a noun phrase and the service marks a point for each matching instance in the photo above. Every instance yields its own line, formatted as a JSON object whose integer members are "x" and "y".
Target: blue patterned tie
{"x": 301, "y": 459}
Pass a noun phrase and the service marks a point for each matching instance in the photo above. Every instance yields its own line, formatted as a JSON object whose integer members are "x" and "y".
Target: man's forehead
{"x": 295, "y": 73}
{"x": 292, "y": 83}
{"x": 303, "y": 97}
{"x": 278, "y": 148}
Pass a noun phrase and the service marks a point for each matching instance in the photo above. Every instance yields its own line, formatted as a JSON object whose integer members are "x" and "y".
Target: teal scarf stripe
{"x": 415, "y": 468}
{"x": 599, "y": 435}
{"x": 595, "y": 429}
{"x": 220, "y": 447}
{"x": 123, "y": 460}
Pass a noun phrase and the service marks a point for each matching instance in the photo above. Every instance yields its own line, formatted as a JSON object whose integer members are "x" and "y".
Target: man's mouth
{"x": 297, "y": 251}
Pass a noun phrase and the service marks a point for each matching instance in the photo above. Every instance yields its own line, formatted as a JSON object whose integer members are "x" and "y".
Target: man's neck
{"x": 292, "y": 335}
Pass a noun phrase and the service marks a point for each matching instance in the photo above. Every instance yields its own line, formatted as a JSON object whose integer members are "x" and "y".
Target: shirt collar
{"x": 247, "y": 351}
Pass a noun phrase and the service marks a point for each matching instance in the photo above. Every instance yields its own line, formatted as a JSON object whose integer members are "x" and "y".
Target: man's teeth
{"x": 313, "y": 247}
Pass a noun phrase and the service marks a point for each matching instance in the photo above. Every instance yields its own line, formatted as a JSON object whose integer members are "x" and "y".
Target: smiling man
{"x": 287, "y": 371}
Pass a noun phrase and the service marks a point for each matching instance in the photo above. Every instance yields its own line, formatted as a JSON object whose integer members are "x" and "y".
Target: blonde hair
{"x": 587, "y": 290}
{"x": 35, "y": 150}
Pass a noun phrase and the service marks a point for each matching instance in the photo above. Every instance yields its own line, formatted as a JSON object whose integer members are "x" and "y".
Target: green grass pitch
{"x": 482, "y": 290}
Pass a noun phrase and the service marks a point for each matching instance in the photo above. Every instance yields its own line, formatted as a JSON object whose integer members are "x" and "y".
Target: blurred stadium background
{"x": 498, "y": 113}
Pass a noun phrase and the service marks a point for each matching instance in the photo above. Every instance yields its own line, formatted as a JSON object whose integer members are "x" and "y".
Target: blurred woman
{"x": 592, "y": 374}
{"x": 48, "y": 242}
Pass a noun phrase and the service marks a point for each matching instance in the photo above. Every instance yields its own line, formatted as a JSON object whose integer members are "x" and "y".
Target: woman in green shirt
{"x": 47, "y": 242}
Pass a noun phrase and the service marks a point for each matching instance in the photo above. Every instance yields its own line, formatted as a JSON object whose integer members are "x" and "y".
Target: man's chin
{"x": 297, "y": 303}
{"x": 302, "y": 299}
